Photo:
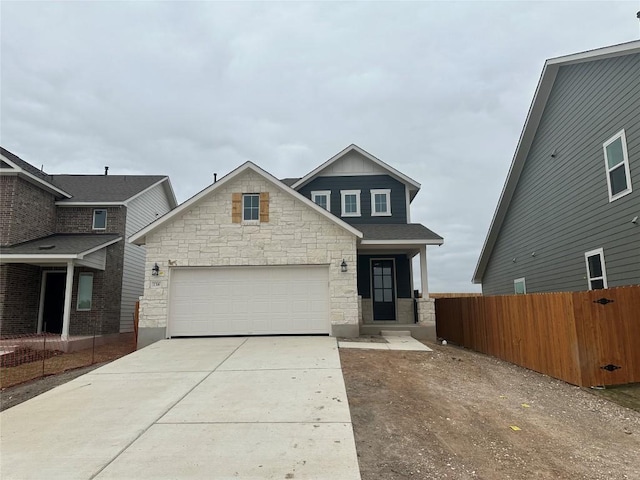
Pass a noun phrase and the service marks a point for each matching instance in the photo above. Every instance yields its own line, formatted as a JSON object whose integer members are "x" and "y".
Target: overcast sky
{"x": 439, "y": 90}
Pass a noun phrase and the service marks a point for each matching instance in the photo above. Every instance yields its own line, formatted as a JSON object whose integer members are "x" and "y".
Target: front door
{"x": 53, "y": 306}
{"x": 384, "y": 298}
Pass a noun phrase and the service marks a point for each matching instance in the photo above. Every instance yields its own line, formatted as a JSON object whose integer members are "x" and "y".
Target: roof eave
{"x": 353, "y": 147}
{"x": 538, "y": 104}
{"x": 17, "y": 170}
{"x": 139, "y": 238}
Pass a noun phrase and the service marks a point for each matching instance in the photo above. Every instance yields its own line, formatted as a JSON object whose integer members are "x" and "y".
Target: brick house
{"x": 64, "y": 265}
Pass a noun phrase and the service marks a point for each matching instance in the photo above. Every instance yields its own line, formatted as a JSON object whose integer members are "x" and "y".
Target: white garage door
{"x": 249, "y": 300}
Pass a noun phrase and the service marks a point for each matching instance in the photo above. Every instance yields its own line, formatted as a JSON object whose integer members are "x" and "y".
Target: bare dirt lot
{"x": 449, "y": 414}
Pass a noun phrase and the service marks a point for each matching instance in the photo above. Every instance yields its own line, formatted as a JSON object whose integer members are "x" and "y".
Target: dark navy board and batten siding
{"x": 560, "y": 208}
{"x": 402, "y": 279}
{"x": 365, "y": 184}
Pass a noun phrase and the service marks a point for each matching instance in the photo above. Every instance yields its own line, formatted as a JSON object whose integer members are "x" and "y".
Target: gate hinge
{"x": 603, "y": 301}
{"x": 610, "y": 368}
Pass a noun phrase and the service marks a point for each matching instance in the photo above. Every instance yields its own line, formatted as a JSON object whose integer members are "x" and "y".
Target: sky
{"x": 438, "y": 90}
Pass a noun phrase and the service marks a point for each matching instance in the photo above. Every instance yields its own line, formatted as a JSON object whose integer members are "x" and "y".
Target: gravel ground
{"x": 449, "y": 414}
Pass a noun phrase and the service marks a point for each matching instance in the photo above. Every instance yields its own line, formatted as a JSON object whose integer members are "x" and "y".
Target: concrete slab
{"x": 394, "y": 342}
{"x": 364, "y": 345}
{"x": 250, "y": 451}
{"x": 269, "y": 353}
{"x": 113, "y": 422}
{"x": 315, "y": 395}
{"x": 406, "y": 343}
{"x": 176, "y": 355}
{"x": 72, "y": 431}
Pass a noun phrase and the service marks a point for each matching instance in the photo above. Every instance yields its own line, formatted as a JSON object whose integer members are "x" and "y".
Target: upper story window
{"x": 596, "y": 271}
{"x": 99, "y": 219}
{"x": 380, "y": 202}
{"x": 519, "y": 286}
{"x": 350, "y": 203}
{"x": 616, "y": 161}
{"x": 322, "y": 198}
{"x": 251, "y": 206}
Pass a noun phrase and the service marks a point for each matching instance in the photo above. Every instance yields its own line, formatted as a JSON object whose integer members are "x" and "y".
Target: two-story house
{"x": 568, "y": 216}
{"x": 328, "y": 253}
{"x": 65, "y": 267}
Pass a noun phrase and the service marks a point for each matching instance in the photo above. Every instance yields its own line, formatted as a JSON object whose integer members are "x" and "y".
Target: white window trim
{"x": 380, "y": 191}
{"x": 592, "y": 253}
{"x": 246, "y": 221}
{"x": 84, "y": 274}
{"x": 322, "y": 193}
{"x": 343, "y": 194}
{"x": 524, "y": 286}
{"x": 94, "y": 218}
{"x": 625, "y": 162}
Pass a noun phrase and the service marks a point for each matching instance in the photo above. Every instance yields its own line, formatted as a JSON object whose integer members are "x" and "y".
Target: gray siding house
{"x": 568, "y": 215}
{"x": 65, "y": 267}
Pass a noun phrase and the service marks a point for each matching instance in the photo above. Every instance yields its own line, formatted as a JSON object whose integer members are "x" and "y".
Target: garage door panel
{"x": 249, "y": 300}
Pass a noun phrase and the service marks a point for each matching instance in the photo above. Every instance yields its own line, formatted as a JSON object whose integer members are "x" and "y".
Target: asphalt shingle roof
{"x": 103, "y": 188}
{"x": 63, "y": 244}
{"x": 289, "y": 181}
{"x": 25, "y": 166}
{"x": 400, "y": 231}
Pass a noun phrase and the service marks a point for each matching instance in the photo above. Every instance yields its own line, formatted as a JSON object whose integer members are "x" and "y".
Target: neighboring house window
{"x": 250, "y": 206}
{"x": 596, "y": 272}
{"x": 380, "y": 202}
{"x": 85, "y": 291}
{"x": 616, "y": 161}
{"x": 322, "y": 198}
{"x": 99, "y": 219}
{"x": 350, "y": 203}
{"x": 519, "y": 286}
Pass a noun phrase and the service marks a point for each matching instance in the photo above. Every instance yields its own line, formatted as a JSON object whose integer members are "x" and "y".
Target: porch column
{"x": 423, "y": 271}
{"x": 66, "y": 316}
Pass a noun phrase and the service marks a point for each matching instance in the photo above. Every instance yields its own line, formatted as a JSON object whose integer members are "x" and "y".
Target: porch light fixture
{"x": 155, "y": 270}
{"x": 343, "y": 266}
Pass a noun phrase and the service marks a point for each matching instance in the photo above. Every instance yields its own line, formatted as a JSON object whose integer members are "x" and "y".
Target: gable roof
{"x": 13, "y": 164}
{"x": 106, "y": 189}
{"x": 536, "y": 110}
{"x": 87, "y": 189}
{"x": 139, "y": 237}
{"x": 401, "y": 177}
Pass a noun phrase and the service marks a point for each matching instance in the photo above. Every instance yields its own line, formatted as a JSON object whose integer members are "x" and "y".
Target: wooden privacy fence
{"x": 584, "y": 338}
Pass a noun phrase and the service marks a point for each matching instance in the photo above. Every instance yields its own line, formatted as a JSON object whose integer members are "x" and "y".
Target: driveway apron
{"x": 206, "y": 408}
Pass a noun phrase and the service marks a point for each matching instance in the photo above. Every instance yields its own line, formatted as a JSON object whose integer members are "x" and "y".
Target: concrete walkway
{"x": 398, "y": 340}
{"x": 210, "y": 408}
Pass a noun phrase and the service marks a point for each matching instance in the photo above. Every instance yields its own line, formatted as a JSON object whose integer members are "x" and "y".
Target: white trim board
{"x": 138, "y": 238}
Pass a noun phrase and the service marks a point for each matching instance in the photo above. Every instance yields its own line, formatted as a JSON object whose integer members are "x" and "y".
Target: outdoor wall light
{"x": 155, "y": 270}
{"x": 343, "y": 266}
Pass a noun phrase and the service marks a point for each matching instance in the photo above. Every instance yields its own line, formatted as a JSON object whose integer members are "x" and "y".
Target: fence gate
{"x": 607, "y": 322}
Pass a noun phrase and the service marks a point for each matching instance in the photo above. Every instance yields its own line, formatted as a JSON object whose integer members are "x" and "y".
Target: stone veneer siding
{"x": 26, "y": 211}
{"x": 295, "y": 235}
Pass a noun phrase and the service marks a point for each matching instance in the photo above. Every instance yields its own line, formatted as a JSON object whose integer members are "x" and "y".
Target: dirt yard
{"x": 457, "y": 414}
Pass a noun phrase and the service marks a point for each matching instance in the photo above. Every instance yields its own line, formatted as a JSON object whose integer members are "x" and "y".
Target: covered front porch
{"x": 388, "y": 298}
{"x": 50, "y": 286}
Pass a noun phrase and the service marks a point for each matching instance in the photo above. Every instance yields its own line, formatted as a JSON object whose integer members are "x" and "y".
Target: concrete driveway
{"x": 258, "y": 407}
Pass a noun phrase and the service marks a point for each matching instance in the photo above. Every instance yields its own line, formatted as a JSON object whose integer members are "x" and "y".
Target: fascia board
{"x": 395, "y": 173}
